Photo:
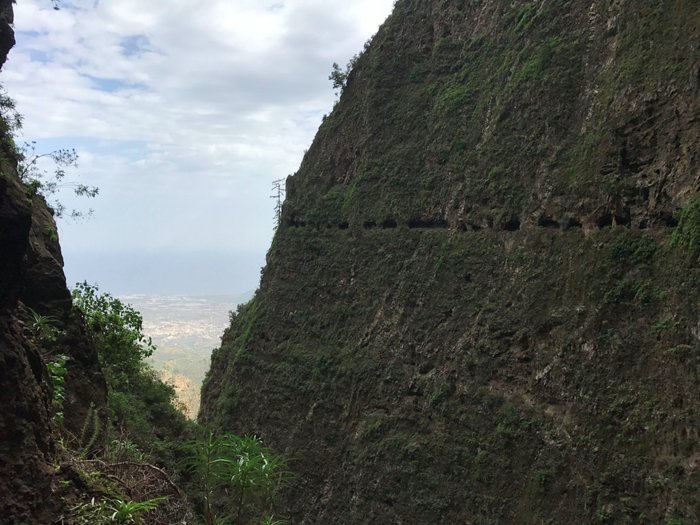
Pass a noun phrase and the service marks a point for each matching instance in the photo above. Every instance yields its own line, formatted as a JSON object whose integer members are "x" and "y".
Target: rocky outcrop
{"x": 45, "y": 292}
{"x": 32, "y": 279}
{"x": 473, "y": 310}
{"x": 25, "y": 432}
{"x": 7, "y": 33}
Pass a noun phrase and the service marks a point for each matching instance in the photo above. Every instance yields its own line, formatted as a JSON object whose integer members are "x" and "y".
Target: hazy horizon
{"x": 182, "y": 114}
{"x": 167, "y": 273}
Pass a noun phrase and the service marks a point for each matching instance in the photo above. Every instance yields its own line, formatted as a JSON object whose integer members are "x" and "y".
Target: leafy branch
{"x": 8, "y": 112}
{"x": 40, "y": 182}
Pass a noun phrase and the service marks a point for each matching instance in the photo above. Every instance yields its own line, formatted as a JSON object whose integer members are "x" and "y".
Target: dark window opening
{"x": 547, "y": 222}
{"x": 512, "y": 225}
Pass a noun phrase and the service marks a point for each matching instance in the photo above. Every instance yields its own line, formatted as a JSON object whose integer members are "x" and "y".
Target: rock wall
{"x": 473, "y": 311}
{"x": 31, "y": 277}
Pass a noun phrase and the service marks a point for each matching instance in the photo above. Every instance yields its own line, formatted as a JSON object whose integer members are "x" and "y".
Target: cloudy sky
{"x": 183, "y": 113}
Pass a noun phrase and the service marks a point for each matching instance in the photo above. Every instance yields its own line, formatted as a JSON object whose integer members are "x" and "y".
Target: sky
{"x": 182, "y": 113}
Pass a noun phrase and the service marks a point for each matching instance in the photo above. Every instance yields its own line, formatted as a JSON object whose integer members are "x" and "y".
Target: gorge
{"x": 480, "y": 305}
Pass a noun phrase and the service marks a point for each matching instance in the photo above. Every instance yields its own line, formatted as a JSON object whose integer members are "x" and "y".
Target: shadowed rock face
{"x": 24, "y": 420}
{"x": 473, "y": 311}
{"x": 15, "y": 214}
{"x": 7, "y": 34}
{"x": 31, "y": 277}
{"x": 15, "y": 222}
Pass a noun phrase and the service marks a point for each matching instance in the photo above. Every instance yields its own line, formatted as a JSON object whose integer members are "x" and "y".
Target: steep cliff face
{"x": 31, "y": 278}
{"x": 25, "y": 443}
{"x": 473, "y": 311}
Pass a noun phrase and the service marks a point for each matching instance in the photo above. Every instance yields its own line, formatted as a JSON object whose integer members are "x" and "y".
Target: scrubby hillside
{"x": 480, "y": 306}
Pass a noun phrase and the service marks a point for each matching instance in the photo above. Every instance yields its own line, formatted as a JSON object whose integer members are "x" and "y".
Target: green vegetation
{"x": 537, "y": 64}
{"x": 10, "y": 118}
{"x": 42, "y": 173}
{"x": 540, "y": 374}
{"x": 129, "y": 511}
{"x": 39, "y": 181}
{"x": 687, "y": 234}
{"x": 57, "y": 374}
{"x": 339, "y": 77}
{"x": 232, "y": 479}
{"x": 141, "y": 408}
{"x": 43, "y": 327}
{"x": 631, "y": 250}
{"x": 237, "y": 477}
{"x": 44, "y": 333}
{"x": 114, "y": 511}
{"x": 524, "y": 17}
{"x": 118, "y": 330}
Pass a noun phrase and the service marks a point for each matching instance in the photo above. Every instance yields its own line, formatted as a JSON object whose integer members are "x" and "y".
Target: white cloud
{"x": 214, "y": 100}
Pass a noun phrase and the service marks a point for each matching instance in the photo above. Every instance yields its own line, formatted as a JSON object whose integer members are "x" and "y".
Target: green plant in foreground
{"x": 128, "y": 511}
{"x": 675, "y": 521}
{"x": 240, "y": 467}
{"x": 57, "y": 373}
{"x": 92, "y": 513}
{"x": 115, "y": 510}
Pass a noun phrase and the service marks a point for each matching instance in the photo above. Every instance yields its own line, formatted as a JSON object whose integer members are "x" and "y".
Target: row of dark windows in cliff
{"x": 387, "y": 224}
{"x": 604, "y": 220}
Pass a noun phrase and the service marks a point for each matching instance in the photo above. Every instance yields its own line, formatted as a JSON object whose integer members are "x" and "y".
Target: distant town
{"x": 185, "y": 330}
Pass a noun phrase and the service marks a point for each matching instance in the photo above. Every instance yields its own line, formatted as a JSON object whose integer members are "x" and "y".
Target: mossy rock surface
{"x": 473, "y": 310}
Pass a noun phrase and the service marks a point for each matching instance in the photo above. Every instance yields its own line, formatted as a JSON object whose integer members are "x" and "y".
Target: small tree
{"x": 339, "y": 77}
{"x": 117, "y": 330}
{"x": 278, "y": 194}
{"x": 9, "y": 116}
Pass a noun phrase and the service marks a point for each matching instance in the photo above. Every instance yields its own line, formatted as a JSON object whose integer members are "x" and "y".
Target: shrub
{"x": 687, "y": 234}
{"x": 140, "y": 406}
{"x": 240, "y": 472}
{"x": 633, "y": 250}
{"x": 117, "y": 330}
